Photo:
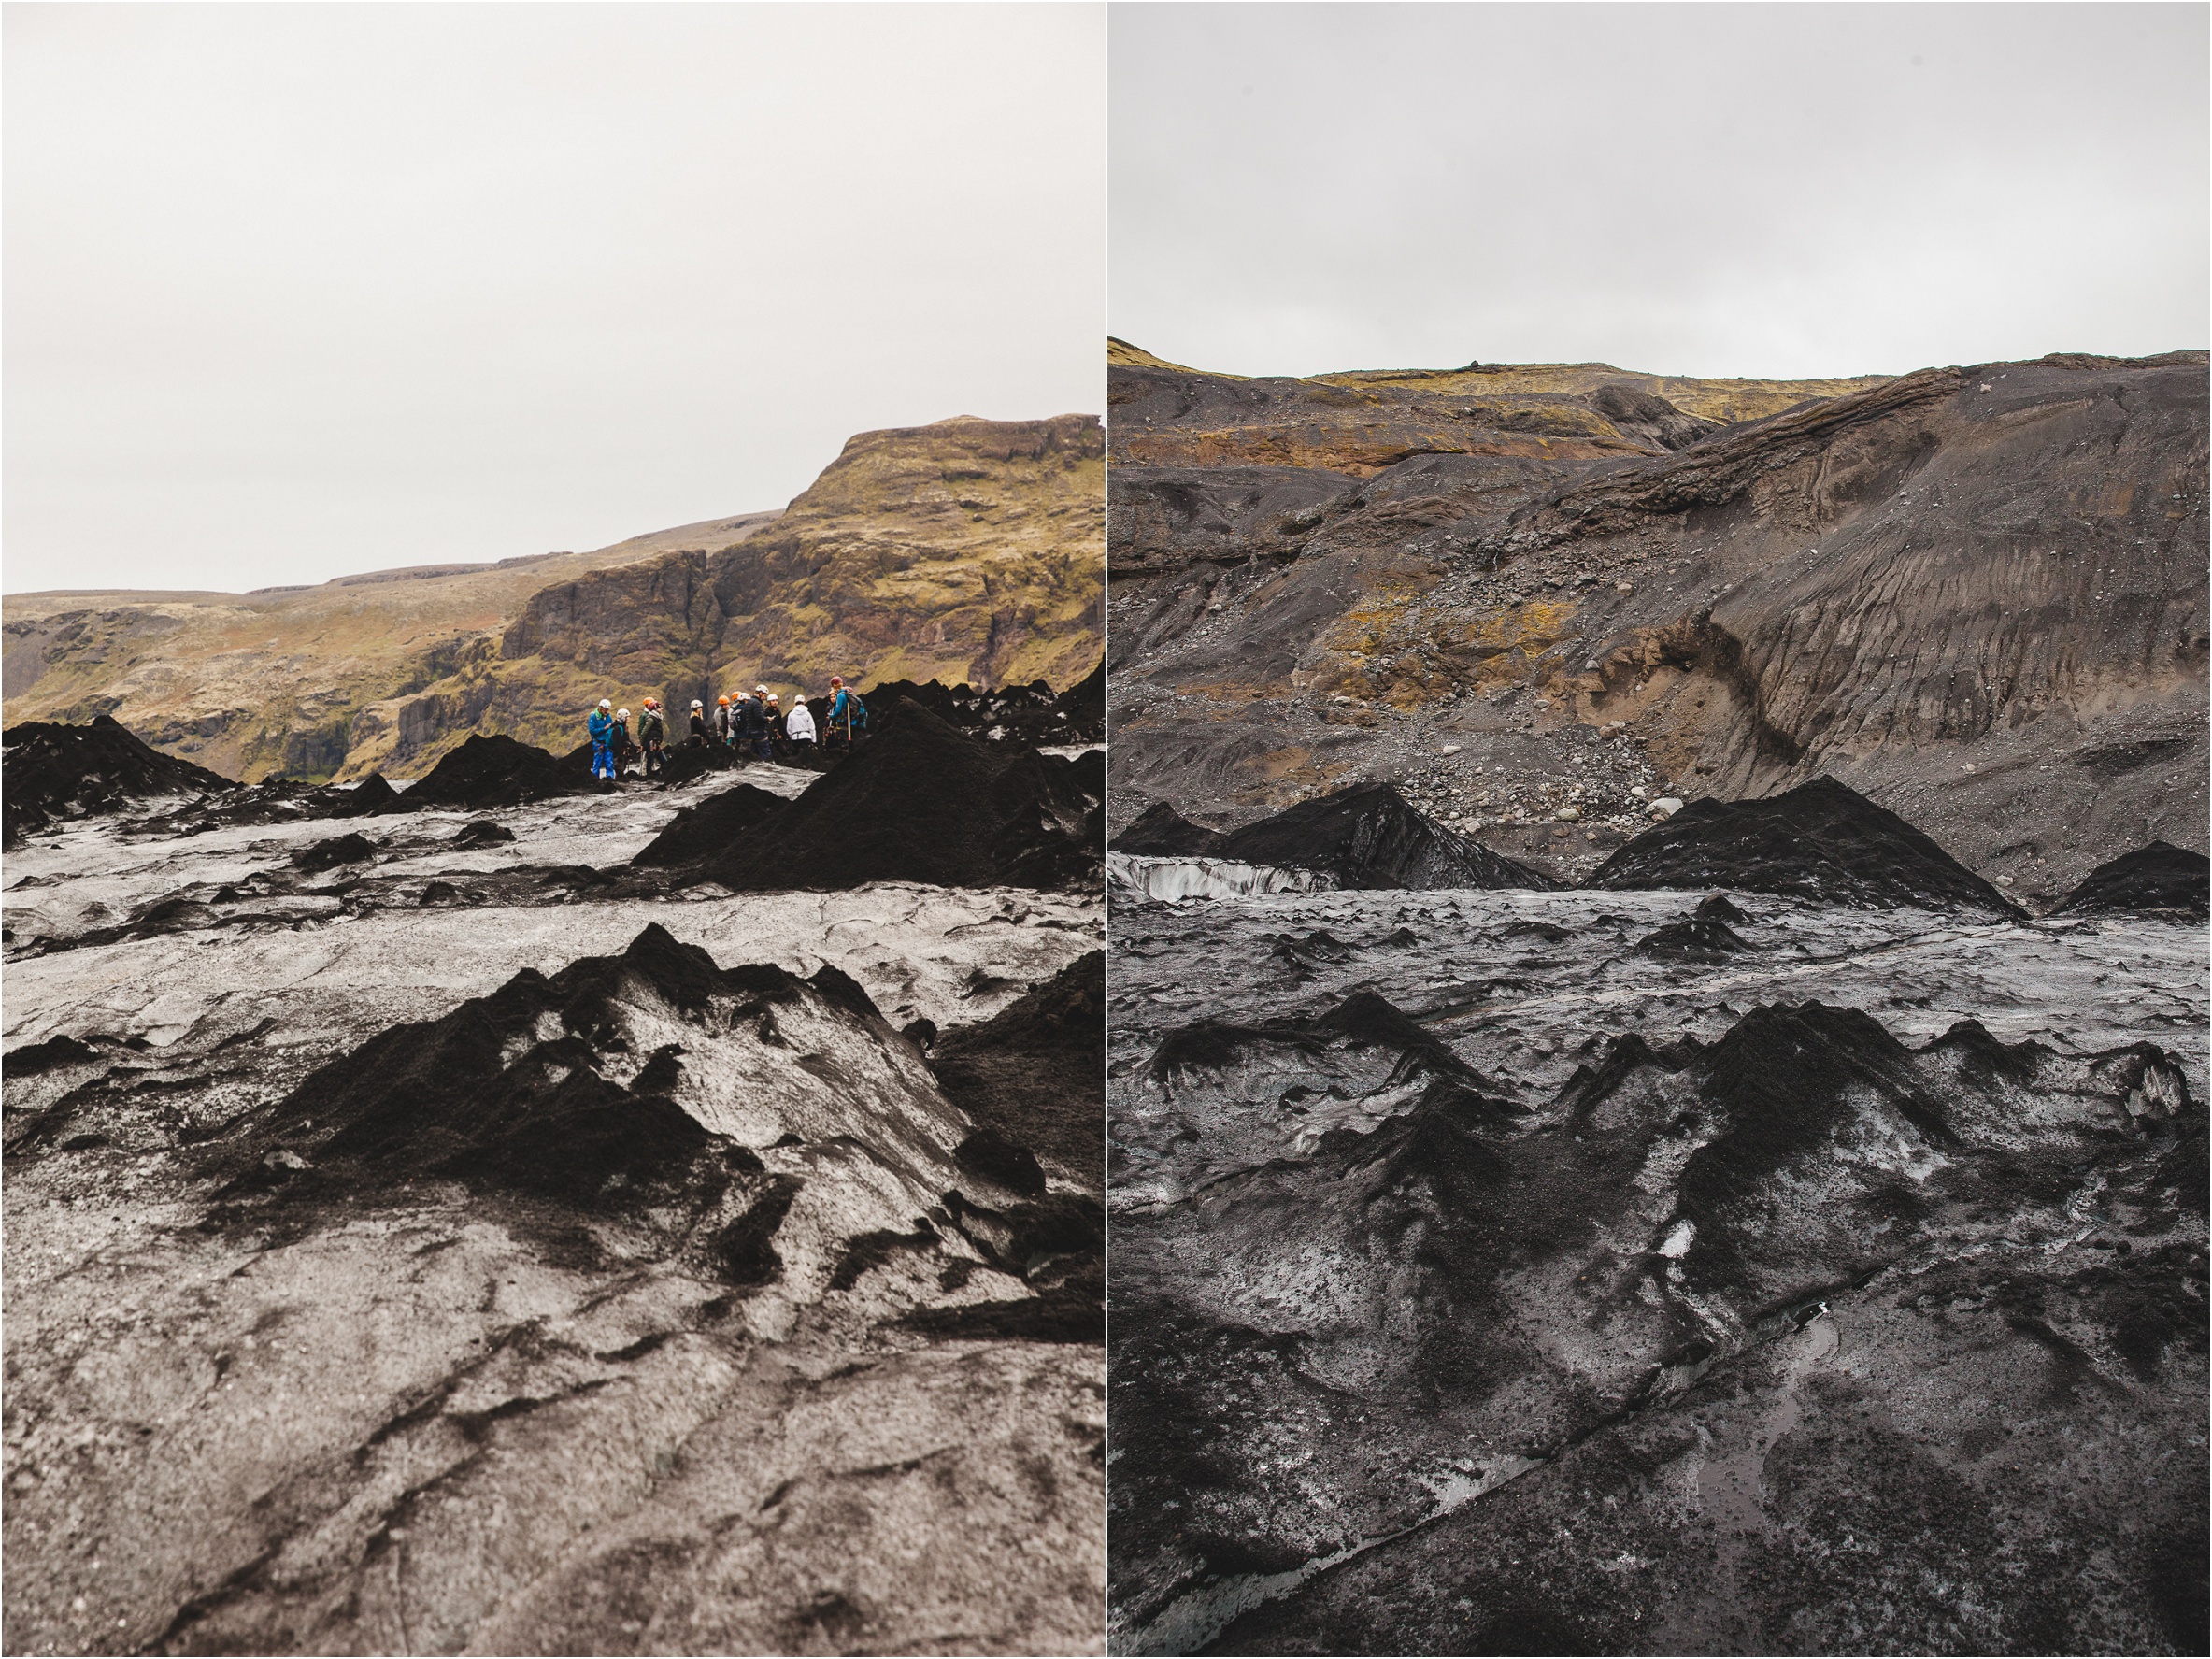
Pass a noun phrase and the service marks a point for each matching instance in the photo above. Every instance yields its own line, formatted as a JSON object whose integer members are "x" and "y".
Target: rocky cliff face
{"x": 965, "y": 551}
{"x": 1358, "y": 425}
{"x": 276, "y": 682}
{"x": 1976, "y": 595}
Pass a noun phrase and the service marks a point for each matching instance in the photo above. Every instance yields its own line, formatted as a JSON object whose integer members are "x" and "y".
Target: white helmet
{"x": 621, "y": 714}
{"x": 603, "y": 703}
{"x": 696, "y": 704}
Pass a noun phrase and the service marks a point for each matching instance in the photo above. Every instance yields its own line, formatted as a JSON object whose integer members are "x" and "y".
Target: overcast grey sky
{"x": 296, "y": 291}
{"x": 1760, "y": 190}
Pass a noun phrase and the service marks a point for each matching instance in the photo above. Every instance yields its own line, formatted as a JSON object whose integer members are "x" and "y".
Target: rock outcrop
{"x": 276, "y": 682}
{"x": 967, "y": 551}
{"x": 1977, "y": 595}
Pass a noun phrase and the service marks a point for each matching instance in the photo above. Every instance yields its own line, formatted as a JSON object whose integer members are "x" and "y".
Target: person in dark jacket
{"x": 754, "y": 725}
{"x": 652, "y": 733}
{"x": 626, "y": 751}
{"x": 698, "y": 724}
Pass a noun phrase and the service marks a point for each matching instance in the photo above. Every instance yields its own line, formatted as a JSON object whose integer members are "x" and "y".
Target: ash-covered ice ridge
{"x": 1810, "y": 1261}
{"x": 436, "y": 1229}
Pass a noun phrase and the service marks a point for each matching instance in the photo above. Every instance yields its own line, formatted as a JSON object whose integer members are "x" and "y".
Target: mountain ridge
{"x": 885, "y": 574}
{"x": 1976, "y": 595}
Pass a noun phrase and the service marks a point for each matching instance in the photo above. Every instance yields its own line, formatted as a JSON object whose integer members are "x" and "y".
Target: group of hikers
{"x": 754, "y": 723}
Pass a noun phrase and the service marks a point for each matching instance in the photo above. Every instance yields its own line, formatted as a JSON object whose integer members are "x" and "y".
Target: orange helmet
{"x": 723, "y": 701}
{"x": 651, "y": 703}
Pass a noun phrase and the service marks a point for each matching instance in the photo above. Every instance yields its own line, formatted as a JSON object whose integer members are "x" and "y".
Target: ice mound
{"x": 1452, "y": 1295}
{"x": 921, "y": 801}
{"x": 54, "y": 773}
{"x": 2159, "y": 877}
{"x": 1821, "y": 840}
{"x": 1369, "y": 836}
{"x": 1032, "y": 714}
{"x": 494, "y": 771}
{"x": 714, "y": 827}
{"x": 1162, "y": 832}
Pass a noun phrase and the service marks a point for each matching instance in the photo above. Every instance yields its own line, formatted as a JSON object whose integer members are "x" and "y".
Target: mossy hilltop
{"x": 966, "y": 550}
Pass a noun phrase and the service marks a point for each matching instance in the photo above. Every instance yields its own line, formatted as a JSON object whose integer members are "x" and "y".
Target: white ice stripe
{"x": 1174, "y": 880}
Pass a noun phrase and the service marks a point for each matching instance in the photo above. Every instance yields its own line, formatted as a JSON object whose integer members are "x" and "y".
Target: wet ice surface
{"x": 56, "y": 877}
{"x": 938, "y": 953}
{"x": 436, "y": 1415}
{"x": 949, "y": 955}
{"x": 1494, "y": 1349}
{"x": 1527, "y": 986}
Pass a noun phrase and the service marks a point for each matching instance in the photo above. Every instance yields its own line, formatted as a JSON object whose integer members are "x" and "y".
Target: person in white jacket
{"x": 799, "y": 723}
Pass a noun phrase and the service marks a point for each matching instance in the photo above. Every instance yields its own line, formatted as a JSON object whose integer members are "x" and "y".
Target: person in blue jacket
{"x": 602, "y": 725}
{"x": 847, "y": 714}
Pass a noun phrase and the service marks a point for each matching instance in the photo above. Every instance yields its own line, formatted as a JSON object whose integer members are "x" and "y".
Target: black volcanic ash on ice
{"x": 1594, "y": 1299}
{"x": 485, "y": 772}
{"x": 1370, "y": 837}
{"x": 1032, "y": 713}
{"x": 1821, "y": 840}
{"x": 1162, "y": 832}
{"x": 54, "y": 773}
{"x": 923, "y": 802}
{"x": 2159, "y": 879}
{"x": 656, "y": 1085}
